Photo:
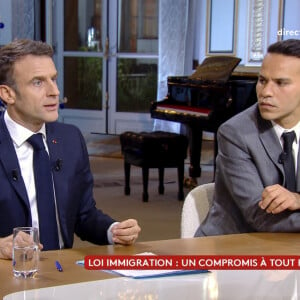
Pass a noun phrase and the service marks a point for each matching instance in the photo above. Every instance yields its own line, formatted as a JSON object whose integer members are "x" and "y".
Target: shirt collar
{"x": 280, "y": 130}
{"x": 19, "y": 133}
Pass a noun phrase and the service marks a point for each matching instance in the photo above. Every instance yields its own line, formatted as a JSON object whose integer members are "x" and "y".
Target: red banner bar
{"x": 192, "y": 262}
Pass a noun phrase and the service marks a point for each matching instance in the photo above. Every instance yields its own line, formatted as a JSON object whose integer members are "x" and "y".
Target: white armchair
{"x": 195, "y": 208}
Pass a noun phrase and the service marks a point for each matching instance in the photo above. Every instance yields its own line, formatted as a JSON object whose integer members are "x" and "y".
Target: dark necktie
{"x": 44, "y": 193}
{"x": 288, "y": 160}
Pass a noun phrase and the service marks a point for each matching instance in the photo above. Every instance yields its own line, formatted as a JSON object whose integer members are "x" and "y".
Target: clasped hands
{"x": 276, "y": 199}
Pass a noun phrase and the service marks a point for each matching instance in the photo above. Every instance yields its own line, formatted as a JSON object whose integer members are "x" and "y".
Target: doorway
{"x": 106, "y": 53}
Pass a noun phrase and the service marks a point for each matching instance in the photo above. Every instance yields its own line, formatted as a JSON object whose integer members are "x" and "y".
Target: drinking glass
{"x": 25, "y": 251}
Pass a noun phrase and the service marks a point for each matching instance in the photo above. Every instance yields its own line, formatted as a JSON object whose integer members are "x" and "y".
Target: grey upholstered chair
{"x": 195, "y": 208}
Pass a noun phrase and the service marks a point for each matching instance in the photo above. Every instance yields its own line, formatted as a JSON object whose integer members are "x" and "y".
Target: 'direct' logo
{"x": 285, "y": 32}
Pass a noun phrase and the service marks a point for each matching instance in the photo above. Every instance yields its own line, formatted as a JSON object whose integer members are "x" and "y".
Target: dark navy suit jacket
{"x": 73, "y": 183}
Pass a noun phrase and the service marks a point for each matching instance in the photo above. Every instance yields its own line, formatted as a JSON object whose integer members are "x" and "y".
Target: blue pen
{"x": 58, "y": 266}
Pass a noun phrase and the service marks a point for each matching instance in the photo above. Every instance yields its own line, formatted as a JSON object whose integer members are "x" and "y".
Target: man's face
{"x": 35, "y": 100}
{"x": 278, "y": 89}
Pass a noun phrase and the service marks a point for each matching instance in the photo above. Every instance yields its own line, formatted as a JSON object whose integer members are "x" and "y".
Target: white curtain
{"x": 23, "y": 25}
{"x": 176, "y": 44}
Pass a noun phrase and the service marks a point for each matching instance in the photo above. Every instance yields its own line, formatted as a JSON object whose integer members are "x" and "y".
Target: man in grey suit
{"x": 251, "y": 193}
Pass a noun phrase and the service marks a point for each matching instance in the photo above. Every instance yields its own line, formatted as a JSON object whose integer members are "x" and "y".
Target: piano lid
{"x": 215, "y": 68}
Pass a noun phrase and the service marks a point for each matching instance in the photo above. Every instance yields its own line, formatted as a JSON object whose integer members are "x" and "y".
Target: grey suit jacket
{"x": 247, "y": 162}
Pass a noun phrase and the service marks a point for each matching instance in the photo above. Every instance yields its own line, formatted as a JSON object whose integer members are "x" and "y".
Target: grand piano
{"x": 203, "y": 101}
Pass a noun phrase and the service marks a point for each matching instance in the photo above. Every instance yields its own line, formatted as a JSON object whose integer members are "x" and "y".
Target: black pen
{"x": 58, "y": 266}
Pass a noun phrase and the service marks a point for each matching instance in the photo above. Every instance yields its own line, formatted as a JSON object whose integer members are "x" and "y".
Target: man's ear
{"x": 7, "y": 94}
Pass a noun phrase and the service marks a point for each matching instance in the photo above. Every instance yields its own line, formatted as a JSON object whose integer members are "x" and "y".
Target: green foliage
{"x": 137, "y": 85}
{"x": 90, "y": 83}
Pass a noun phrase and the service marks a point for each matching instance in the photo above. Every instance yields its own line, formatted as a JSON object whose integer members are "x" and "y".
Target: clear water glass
{"x": 25, "y": 251}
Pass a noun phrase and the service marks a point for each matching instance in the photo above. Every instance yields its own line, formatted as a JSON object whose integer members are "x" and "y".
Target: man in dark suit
{"x": 251, "y": 187}
{"x": 28, "y": 88}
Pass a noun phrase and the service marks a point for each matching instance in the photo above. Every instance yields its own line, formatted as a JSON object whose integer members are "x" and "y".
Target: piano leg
{"x": 195, "y": 147}
{"x": 195, "y": 144}
{"x": 161, "y": 188}
{"x": 127, "y": 178}
{"x": 180, "y": 174}
{"x": 145, "y": 171}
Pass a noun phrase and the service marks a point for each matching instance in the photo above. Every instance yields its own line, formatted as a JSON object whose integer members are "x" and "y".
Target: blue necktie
{"x": 44, "y": 193}
{"x": 288, "y": 160}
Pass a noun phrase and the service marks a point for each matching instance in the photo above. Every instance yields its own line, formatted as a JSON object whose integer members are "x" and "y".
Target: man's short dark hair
{"x": 16, "y": 50}
{"x": 289, "y": 47}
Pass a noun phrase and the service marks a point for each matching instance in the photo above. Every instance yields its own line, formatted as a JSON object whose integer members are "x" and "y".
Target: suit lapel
{"x": 54, "y": 144}
{"x": 298, "y": 171}
{"x": 9, "y": 161}
{"x": 55, "y": 147}
{"x": 270, "y": 141}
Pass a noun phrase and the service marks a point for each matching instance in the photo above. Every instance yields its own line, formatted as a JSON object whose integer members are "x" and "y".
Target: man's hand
{"x": 6, "y": 244}
{"x": 125, "y": 232}
{"x": 276, "y": 198}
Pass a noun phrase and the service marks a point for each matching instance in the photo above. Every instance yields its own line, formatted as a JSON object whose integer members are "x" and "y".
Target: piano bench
{"x": 157, "y": 149}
